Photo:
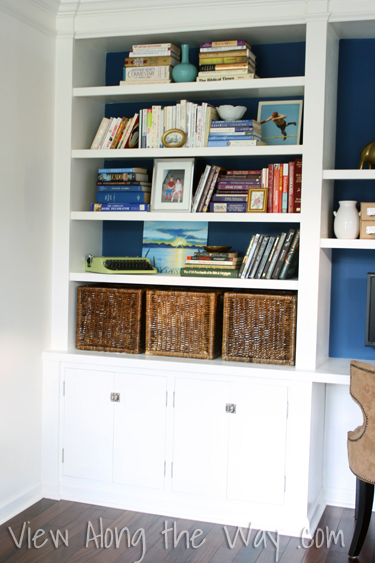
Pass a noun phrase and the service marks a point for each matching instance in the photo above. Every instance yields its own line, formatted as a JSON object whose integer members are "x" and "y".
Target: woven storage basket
{"x": 111, "y": 318}
{"x": 184, "y": 323}
{"x": 260, "y": 326}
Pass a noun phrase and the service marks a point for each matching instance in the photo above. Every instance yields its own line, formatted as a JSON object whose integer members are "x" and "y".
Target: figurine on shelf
{"x": 367, "y": 155}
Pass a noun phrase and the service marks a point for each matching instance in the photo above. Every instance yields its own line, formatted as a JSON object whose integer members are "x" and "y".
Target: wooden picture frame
{"x": 257, "y": 200}
{"x": 174, "y": 138}
{"x": 172, "y": 184}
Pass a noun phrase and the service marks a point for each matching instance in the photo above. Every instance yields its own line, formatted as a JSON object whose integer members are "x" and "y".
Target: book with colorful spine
{"x": 226, "y": 60}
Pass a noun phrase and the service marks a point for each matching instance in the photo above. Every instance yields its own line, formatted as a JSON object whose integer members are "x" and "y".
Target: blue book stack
{"x": 234, "y": 133}
{"x": 122, "y": 189}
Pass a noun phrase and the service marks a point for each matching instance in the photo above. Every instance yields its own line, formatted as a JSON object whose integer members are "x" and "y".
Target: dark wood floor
{"x": 50, "y": 516}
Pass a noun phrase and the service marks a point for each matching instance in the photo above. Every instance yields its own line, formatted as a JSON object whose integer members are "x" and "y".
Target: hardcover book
{"x": 228, "y": 207}
{"x": 283, "y": 253}
{"x": 122, "y": 197}
{"x": 116, "y": 177}
{"x": 215, "y": 78}
{"x": 259, "y": 257}
{"x": 275, "y": 256}
{"x": 290, "y": 258}
{"x": 209, "y": 272}
{"x": 119, "y": 207}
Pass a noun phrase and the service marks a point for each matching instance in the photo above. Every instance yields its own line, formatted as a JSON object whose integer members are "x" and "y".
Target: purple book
{"x": 231, "y": 180}
{"x": 224, "y": 43}
{"x": 238, "y": 187}
{"x": 226, "y": 198}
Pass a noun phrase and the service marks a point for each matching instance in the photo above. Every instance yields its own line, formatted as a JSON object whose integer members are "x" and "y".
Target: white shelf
{"x": 217, "y": 152}
{"x": 164, "y": 279}
{"x": 209, "y": 217}
{"x": 349, "y": 174}
{"x": 359, "y": 244}
{"x": 257, "y": 88}
{"x": 333, "y": 370}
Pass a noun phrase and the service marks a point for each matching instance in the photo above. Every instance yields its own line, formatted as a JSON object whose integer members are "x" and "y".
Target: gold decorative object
{"x": 257, "y": 200}
{"x": 367, "y": 155}
{"x": 174, "y": 138}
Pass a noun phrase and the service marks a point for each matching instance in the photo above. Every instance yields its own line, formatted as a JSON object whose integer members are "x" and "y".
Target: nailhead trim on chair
{"x": 356, "y": 440}
{"x": 359, "y": 402}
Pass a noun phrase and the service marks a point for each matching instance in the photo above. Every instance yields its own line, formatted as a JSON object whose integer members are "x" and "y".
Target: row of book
{"x": 150, "y": 64}
{"x": 122, "y": 189}
{"x": 226, "y": 60}
{"x": 283, "y": 181}
{"x": 117, "y": 133}
{"x": 212, "y": 264}
{"x": 271, "y": 257}
{"x": 194, "y": 119}
{"x": 242, "y": 132}
{"x": 222, "y": 190}
{"x": 146, "y": 128}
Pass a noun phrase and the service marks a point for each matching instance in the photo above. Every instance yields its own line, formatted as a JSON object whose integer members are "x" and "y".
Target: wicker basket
{"x": 184, "y": 323}
{"x": 260, "y": 326}
{"x": 111, "y": 318}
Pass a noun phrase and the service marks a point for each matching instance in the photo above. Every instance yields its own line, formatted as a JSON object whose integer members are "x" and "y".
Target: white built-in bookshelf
{"x": 80, "y": 105}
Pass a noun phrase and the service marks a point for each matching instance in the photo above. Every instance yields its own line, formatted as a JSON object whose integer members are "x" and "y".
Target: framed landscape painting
{"x": 168, "y": 244}
{"x": 281, "y": 122}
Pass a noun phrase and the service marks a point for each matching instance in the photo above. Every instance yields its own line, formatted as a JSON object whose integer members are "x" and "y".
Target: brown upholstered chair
{"x": 361, "y": 450}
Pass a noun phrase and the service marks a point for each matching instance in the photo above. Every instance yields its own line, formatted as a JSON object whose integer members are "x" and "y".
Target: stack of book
{"x": 284, "y": 182}
{"x": 150, "y": 64}
{"x": 231, "y": 192}
{"x": 212, "y": 264}
{"x": 205, "y": 189}
{"x": 194, "y": 119}
{"x": 226, "y": 60}
{"x": 117, "y": 133}
{"x": 239, "y": 133}
{"x": 122, "y": 189}
{"x": 271, "y": 257}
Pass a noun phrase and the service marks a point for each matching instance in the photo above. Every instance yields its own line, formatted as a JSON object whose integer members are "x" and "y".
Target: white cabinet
{"x": 88, "y": 424}
{"x": 140, "y": 430}
{"x": 200, "y": 437}
{"x": 119, "y": 440}
{"x": 257, "y": 445}
{"x": 228, "y": 438}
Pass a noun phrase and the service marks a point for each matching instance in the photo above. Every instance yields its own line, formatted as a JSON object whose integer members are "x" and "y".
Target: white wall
{"x": 27, "y": 69}
{"x": 342, "y": 415}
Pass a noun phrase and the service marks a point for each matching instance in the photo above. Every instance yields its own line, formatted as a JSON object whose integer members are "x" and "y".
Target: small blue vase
{"x": 185, "y": 71}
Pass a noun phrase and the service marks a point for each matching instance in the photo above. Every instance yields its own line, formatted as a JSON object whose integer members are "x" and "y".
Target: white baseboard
{"x": 51, "y": 490}
{"x": 17, "y": 503}
{"x": 339, "y": 497}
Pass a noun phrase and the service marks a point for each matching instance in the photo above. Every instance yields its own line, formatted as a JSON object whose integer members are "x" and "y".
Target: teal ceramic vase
{"x": 185, "y": 71}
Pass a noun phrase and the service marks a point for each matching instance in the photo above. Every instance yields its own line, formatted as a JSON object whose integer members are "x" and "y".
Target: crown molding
{"x": 99, "y": 18}
{"x": 39, "y": 14}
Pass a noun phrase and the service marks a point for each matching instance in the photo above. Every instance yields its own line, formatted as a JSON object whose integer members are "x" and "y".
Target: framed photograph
{"x": 281, "y": 122}
{"x": 172, "y": 183}
{"x": 257, "y": 200}
{"x": 174, "y": 138}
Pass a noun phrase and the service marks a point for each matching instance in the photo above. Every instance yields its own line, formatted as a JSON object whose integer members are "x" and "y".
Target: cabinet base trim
{"x": 259, "y": 516}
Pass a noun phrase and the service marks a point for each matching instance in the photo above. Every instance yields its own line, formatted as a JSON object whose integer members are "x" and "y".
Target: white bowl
{"x": 230, "y": 113}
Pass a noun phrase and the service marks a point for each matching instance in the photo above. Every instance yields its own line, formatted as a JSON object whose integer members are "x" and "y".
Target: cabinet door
{"x": 140, "y": 430}
{"x": 200, "y": 440}
{"x": 257, "y": 443}
{"x": 88, "y": 424}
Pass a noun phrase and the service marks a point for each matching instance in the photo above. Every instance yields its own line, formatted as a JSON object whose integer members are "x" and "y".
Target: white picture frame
{"x": 172, "y": 185}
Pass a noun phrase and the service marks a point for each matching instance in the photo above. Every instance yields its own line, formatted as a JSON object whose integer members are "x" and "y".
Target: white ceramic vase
{"x": 346, "y": 222}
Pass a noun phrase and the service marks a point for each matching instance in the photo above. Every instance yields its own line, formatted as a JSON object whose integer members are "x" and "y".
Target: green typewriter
{"x": 119, "y": 265}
